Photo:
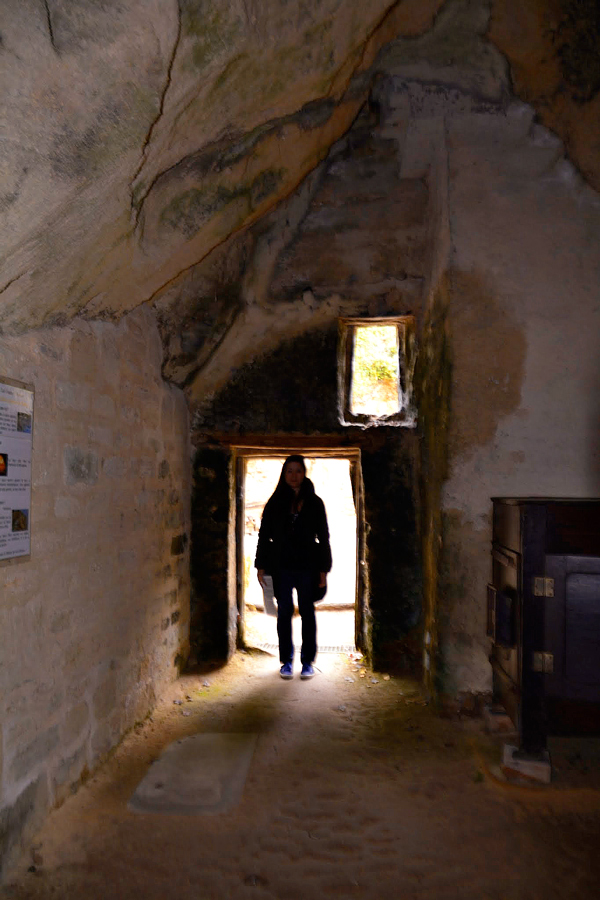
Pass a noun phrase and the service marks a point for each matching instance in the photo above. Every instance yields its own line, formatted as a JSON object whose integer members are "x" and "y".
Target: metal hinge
{"x": 543, "y": 587}
{"x": 543, "y": 662}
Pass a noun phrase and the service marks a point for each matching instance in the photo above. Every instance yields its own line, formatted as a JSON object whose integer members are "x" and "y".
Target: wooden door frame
{"x": 241, "y": 453}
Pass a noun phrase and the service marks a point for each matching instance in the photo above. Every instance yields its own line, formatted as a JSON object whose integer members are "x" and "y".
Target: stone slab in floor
{"x": 203, "y": 774}
{"x": 524, "y": 766}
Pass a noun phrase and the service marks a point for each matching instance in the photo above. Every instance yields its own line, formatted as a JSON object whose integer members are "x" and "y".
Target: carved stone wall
{"x": 96, "y": 623}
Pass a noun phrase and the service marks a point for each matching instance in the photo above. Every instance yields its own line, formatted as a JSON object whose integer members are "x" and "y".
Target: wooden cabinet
{"x": 544, "y": 616}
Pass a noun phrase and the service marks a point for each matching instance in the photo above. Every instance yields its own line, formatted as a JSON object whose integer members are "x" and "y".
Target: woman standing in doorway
{"x": 293, "y": 547}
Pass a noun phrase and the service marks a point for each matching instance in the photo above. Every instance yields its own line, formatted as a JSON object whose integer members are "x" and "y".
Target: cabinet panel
{"x": 546, "y": 648}
{"x": 582, "y": 630}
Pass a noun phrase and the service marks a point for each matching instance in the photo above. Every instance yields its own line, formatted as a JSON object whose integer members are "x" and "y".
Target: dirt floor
{"x": 356, "y": 790}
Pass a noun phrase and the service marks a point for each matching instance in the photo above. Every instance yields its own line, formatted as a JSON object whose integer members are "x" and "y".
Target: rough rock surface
{"x": 138, "y": 136}
{"x": 552, "y": 48}
{"x": 360, "y": 235}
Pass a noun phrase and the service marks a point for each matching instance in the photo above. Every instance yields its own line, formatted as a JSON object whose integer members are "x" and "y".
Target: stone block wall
{"x": 96, "y": 623}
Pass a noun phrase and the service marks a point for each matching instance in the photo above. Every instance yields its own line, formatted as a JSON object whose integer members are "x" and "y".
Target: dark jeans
{"x": 284, "y": 583}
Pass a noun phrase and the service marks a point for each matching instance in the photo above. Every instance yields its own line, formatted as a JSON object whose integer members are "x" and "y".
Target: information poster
{"x": 16, "y": 427}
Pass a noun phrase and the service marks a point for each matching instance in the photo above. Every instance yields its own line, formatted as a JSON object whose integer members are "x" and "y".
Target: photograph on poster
{"x": 24, "y": 422}
{"x": 16, "y": 427}
{"x": 20, "y": 519}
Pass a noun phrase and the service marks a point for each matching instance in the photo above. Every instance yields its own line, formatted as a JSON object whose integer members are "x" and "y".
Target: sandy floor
{"x": 356, "y": 790}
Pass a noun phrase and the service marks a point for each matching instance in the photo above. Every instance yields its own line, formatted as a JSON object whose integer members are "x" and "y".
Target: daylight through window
{"x": 375, "y": 389}
{"x": 375, "y": 371}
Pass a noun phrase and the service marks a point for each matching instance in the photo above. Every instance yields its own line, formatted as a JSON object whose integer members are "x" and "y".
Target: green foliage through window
{"x": 375, "y": 371}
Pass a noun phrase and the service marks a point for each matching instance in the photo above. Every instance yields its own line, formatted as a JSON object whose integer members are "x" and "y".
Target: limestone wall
{"x": 97, "y": 621}
{"x": 516, "y": 248}
{"x": 525, "y": 325}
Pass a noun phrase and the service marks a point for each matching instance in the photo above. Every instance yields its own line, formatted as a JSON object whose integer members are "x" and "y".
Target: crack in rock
{"x": 137, "y": 203}
{"x": 50, "y": 28}
{"x": 267, "y": 128}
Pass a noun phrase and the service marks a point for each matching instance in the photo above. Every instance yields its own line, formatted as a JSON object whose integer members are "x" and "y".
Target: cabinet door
{"x": 572, "y": 636}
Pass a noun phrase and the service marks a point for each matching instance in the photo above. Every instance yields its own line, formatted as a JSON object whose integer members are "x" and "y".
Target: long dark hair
{"x": 283, "y": 492}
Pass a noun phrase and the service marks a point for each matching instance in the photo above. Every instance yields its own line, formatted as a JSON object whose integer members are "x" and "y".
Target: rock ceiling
{"x": 139, "y": 136}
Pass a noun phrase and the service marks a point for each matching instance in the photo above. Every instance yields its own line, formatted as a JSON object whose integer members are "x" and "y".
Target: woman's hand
{"x": 260, "y": 574}
{"x": 323, "y": 579}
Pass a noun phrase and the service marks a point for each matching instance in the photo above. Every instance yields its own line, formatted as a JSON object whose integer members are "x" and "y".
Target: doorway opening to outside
{"x": 336, "y": 482}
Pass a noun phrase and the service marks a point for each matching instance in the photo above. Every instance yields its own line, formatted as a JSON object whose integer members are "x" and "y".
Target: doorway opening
{"x": 336, "y": 480}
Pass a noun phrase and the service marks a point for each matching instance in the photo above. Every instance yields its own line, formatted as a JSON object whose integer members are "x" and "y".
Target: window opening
{"x": 375, "y": 388}
{"x": 375, "y": 371}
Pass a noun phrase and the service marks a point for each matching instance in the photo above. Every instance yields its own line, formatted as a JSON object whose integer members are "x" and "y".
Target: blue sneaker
{"x": 307, "y": 671}
{"x": 286, "y": 671}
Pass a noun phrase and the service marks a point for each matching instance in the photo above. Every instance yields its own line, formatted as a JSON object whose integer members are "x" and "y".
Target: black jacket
{"x": 295, "y": 542}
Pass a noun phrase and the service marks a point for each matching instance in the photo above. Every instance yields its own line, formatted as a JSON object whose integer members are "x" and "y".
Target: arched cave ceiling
{"x": 141, "y": 138}
{"x": 141, "y": 133}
